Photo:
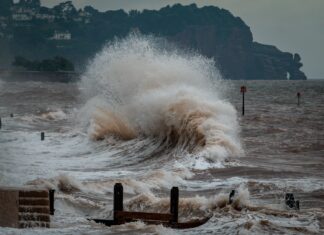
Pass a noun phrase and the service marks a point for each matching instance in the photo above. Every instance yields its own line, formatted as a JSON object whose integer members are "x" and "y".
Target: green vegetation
{"x": 49, "y": 65}
{"x": 34, "y": 31}
{"x": 5, "y": 7}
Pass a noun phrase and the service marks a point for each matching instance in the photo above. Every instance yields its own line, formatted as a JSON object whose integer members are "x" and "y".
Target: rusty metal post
{"x": 51, "y": 200}
{"x": 174, "y": 204}
{"x": 118, "y": 199}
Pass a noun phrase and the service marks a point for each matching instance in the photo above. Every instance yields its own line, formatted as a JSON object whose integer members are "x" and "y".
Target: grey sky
{"x": 291, "y": 25}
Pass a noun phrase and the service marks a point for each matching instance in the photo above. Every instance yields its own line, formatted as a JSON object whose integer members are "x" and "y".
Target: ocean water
{"x": 153, "y": 118}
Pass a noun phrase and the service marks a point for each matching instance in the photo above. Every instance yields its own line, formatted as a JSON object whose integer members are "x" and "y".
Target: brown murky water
{"x": 152, "y": 119}
{"x": 283, "y": 148}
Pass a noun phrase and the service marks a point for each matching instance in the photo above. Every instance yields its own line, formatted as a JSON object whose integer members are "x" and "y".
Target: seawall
{"x": 9, "y": 75}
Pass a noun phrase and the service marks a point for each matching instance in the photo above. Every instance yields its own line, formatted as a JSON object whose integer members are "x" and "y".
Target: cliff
{"x": 42, "y": 32}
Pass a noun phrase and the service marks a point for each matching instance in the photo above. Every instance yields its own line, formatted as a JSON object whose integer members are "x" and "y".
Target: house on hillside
{"x": 22, "y": 13}
{"x": 3, "y": 22}
{"x": 48, "y": 17}
{"x": 59, "y": 35}
{"x": 21, "y": 17}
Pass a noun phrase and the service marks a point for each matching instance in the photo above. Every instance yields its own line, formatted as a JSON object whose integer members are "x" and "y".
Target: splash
{"x": 106, "y": 122}
{"x": 62, "y": 182}
{"x": 138, "y": 88}
{"x": 54, "y": 115}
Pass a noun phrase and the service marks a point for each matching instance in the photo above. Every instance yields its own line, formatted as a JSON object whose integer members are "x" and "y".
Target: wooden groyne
{"x": 166, "y": 219}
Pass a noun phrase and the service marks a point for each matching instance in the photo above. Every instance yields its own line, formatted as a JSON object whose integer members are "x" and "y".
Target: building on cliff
{"x": 58, "y": 35}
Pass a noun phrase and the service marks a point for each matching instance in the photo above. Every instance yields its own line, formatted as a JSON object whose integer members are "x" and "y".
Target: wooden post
{"x": 174, "y": 204}
{"x": 0, "y": 123}
{"x": 42, "y": 136}
{"x": 298, "y": 98}
{"x": 290, "y": 200}
{"x": 11, "y": 115}
{"x": 51, "y": 200}
{"x": 243, "y": 90}
{"x": 118, "y": 199}
{"x": 297, "y": 205}
{"x": 231, "y": 196}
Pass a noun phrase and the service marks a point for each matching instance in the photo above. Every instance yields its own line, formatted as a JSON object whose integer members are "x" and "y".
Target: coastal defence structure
{"x": 25, "y": 208}
{"x": 40, "y": 76}
{"x": 166, "y": 219}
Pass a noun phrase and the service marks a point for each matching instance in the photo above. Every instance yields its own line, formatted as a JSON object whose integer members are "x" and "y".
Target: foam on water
{"x": 54, "y": 115}
{"x": 163, "y": 122}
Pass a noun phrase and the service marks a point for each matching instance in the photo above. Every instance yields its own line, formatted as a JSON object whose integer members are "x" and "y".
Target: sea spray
{"x": 138, "y": 88}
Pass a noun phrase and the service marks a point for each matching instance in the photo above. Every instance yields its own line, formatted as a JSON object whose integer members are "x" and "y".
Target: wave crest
{"x": 146, "y": 90}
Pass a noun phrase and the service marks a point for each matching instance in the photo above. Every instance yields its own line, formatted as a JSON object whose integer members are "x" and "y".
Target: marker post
{"x": 298, "y": 98}
{"x": 243, "y": 90}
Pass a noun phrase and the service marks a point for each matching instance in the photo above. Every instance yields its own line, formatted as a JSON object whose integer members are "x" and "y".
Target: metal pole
{"x": 243, "y": 90}
{"x": 243, "y": 104}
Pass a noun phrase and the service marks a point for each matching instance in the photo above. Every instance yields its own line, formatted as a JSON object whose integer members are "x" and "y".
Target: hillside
{"x": 36, "y": 32}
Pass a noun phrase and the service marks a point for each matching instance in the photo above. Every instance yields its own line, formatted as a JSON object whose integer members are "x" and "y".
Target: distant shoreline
{"x": 43, "y": 76}
{"x": 71, "y": 76}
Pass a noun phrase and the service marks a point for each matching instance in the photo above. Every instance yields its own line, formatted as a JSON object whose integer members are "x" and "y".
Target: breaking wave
{"x": 137, "y": 88}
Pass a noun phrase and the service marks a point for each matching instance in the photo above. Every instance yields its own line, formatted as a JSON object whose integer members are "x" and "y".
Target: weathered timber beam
{"x": 128, "y": 215}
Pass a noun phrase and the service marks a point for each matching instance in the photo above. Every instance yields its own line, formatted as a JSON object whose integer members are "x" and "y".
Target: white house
{"x": 21, "y": 17}
{"x": 44, "y": 17}
{"x": 62, "y": 35}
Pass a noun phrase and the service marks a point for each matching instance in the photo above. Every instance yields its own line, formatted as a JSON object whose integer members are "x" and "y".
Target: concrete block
{"x": 9, "y": 204}
{"x": 24, "y": 207}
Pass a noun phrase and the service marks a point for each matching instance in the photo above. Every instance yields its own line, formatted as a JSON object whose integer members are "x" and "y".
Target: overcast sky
{"x": 291, "y": 25}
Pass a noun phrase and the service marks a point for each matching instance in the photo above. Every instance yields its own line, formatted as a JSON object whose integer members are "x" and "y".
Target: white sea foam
{"x": 54, "y": 115}
{"x": 136, "y": 88}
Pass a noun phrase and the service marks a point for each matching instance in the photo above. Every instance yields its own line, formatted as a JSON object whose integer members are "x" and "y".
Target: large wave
{"x": 138, "y": 88}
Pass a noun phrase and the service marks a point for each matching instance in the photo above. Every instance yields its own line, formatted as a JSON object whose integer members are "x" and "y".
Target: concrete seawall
{"x": 23, "y": 208}
{"x": 9, "y": 75}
